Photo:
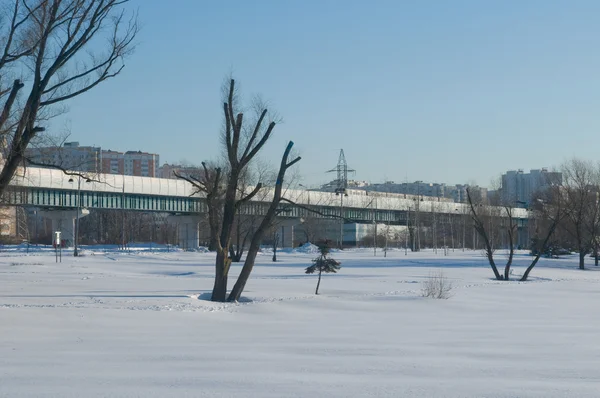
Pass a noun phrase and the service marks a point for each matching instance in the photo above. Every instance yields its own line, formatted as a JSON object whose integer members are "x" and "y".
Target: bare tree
{"x": 593, "y": 222}
{"x": 550, "y": 209}
{"x": 481, "y": 226}
{"x": 222, "y": 188}
{"x": 275, "y": 243}
{"x": 47, "y": 50}
{"x": 481, "y": 216}
{"x": 581, "y": 204}
{"x": 258, "y": 235}
{"x": 211, "y": 183}
{"x": 246, "y": 220}
{"x": 315, "y": 228}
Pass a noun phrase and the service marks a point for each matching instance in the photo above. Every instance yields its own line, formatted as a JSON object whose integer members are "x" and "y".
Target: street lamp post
{"x": 452, "y": 229}
{"x": 463, "y": 237}
{"x": 406, "y": 233}
{"x": 434, "y": 222}
{"x": 76, "y": 240}
{"x": 375, "y": 226}
{"x": 445, "y": 227}
{"x": 341, "y": 192}
{"x": 387, "y": 232}
{"x": 123, "y": 216}
{"x": 417, "y": 218}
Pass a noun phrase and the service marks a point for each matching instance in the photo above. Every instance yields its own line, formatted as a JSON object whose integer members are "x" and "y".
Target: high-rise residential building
{"x": 71, "y": 156}
{"x": 459, "y": 193}
{"x": 113, "y": 162}
{"x": 519, "y": 187}
{"x": 141, "y": 163}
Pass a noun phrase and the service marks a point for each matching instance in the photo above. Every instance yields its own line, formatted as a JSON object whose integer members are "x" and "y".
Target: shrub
{"x": 437, "y": 286}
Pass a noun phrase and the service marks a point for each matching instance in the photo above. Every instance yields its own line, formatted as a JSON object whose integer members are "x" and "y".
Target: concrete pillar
{"x": 523, "y": 236}
{"x": 188, "y": 231}
{"x": 64, "y": 221}
{"x": 288, "y": 229}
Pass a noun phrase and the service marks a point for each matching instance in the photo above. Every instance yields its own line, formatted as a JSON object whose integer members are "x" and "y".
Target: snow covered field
{"x": 124, "y": 325}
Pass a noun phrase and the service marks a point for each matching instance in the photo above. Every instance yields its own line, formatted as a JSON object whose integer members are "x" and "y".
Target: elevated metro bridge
{"x": 60, "y": 196}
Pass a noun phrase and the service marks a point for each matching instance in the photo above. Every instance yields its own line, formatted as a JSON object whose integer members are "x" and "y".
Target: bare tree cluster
{"x": 112, "y": 227}
{"x": 552, "y": 211}
{"x": 579, "y": 230}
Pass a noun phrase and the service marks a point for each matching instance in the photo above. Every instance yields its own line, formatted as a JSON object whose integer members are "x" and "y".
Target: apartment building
{"x": 91, "y": 159}
{"x": 141, "y": 164}
{"x": 519, "y": 187}
{"x": 70, "y": 156}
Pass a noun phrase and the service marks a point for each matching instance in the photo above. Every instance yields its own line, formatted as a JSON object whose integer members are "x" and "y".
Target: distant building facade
{"x": 456, "y": 193}
{"x": 91, "y": 159}
{"x": 519, "y": 187}
{"x": 70, "y": 156}
{"x": 141, "y": 164}
{"x": 113, "y": 162}
{"x": 169, "y": 170}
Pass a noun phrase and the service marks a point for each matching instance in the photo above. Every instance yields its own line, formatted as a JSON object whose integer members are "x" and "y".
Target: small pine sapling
{"x": 323, "y": 263}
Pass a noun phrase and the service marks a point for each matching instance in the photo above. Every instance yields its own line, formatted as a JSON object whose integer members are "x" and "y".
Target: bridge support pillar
{"x": 64, "y": 221}
{"x": 288, "y": 229}
{"x": 523, "y": 237}
{"x": 188, "y": 231}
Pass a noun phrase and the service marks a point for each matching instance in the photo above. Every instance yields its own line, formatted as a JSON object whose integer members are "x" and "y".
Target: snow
{"x": 307, "y": 248}
{"x": 137, "y": 324}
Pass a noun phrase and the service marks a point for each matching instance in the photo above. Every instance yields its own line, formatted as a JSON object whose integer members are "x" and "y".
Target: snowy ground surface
{"x": 116, "y": 324}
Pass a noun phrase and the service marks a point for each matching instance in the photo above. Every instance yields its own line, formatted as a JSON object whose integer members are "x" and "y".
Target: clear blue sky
{"x": 444, "y": 91}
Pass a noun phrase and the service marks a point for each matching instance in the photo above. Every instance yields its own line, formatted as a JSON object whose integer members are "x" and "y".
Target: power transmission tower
{"x": 22, "y": 227}
{"x": 342, "y": 171}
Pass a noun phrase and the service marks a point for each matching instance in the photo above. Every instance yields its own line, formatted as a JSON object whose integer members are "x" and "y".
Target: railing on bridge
{"x": 40, "y": 197}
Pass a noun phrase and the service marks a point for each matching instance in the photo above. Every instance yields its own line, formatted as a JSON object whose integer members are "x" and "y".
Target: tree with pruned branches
{"x": 49, "y": 54}
{"x": 242, "y": 143}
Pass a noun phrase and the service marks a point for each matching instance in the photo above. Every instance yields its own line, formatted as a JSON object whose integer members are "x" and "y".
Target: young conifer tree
{"x": 323, "y": 263}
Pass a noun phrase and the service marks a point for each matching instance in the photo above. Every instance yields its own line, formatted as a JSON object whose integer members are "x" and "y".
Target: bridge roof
{"x": 55, "y": 179}
{"x": 36, "y": 177}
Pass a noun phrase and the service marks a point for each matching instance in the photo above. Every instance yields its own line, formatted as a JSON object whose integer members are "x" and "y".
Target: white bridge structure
{"x": 61, "y": 197}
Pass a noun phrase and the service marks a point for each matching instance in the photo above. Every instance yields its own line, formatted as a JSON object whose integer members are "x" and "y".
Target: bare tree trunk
{"x": 508, "y": 263}
{"x": 480, "y": 228}
{"x": 582, "y": 253}
{"x": 222, "y": 265}
{"x": 537, "y": 257}
{"x": 275, "y": 244}
{"x": 240, "y": 149}
{"x": 510, "y": 230}
{"x": 240, "y": 284}
{"x": 318, "y": 282}
{"x": 212, "y": 246}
